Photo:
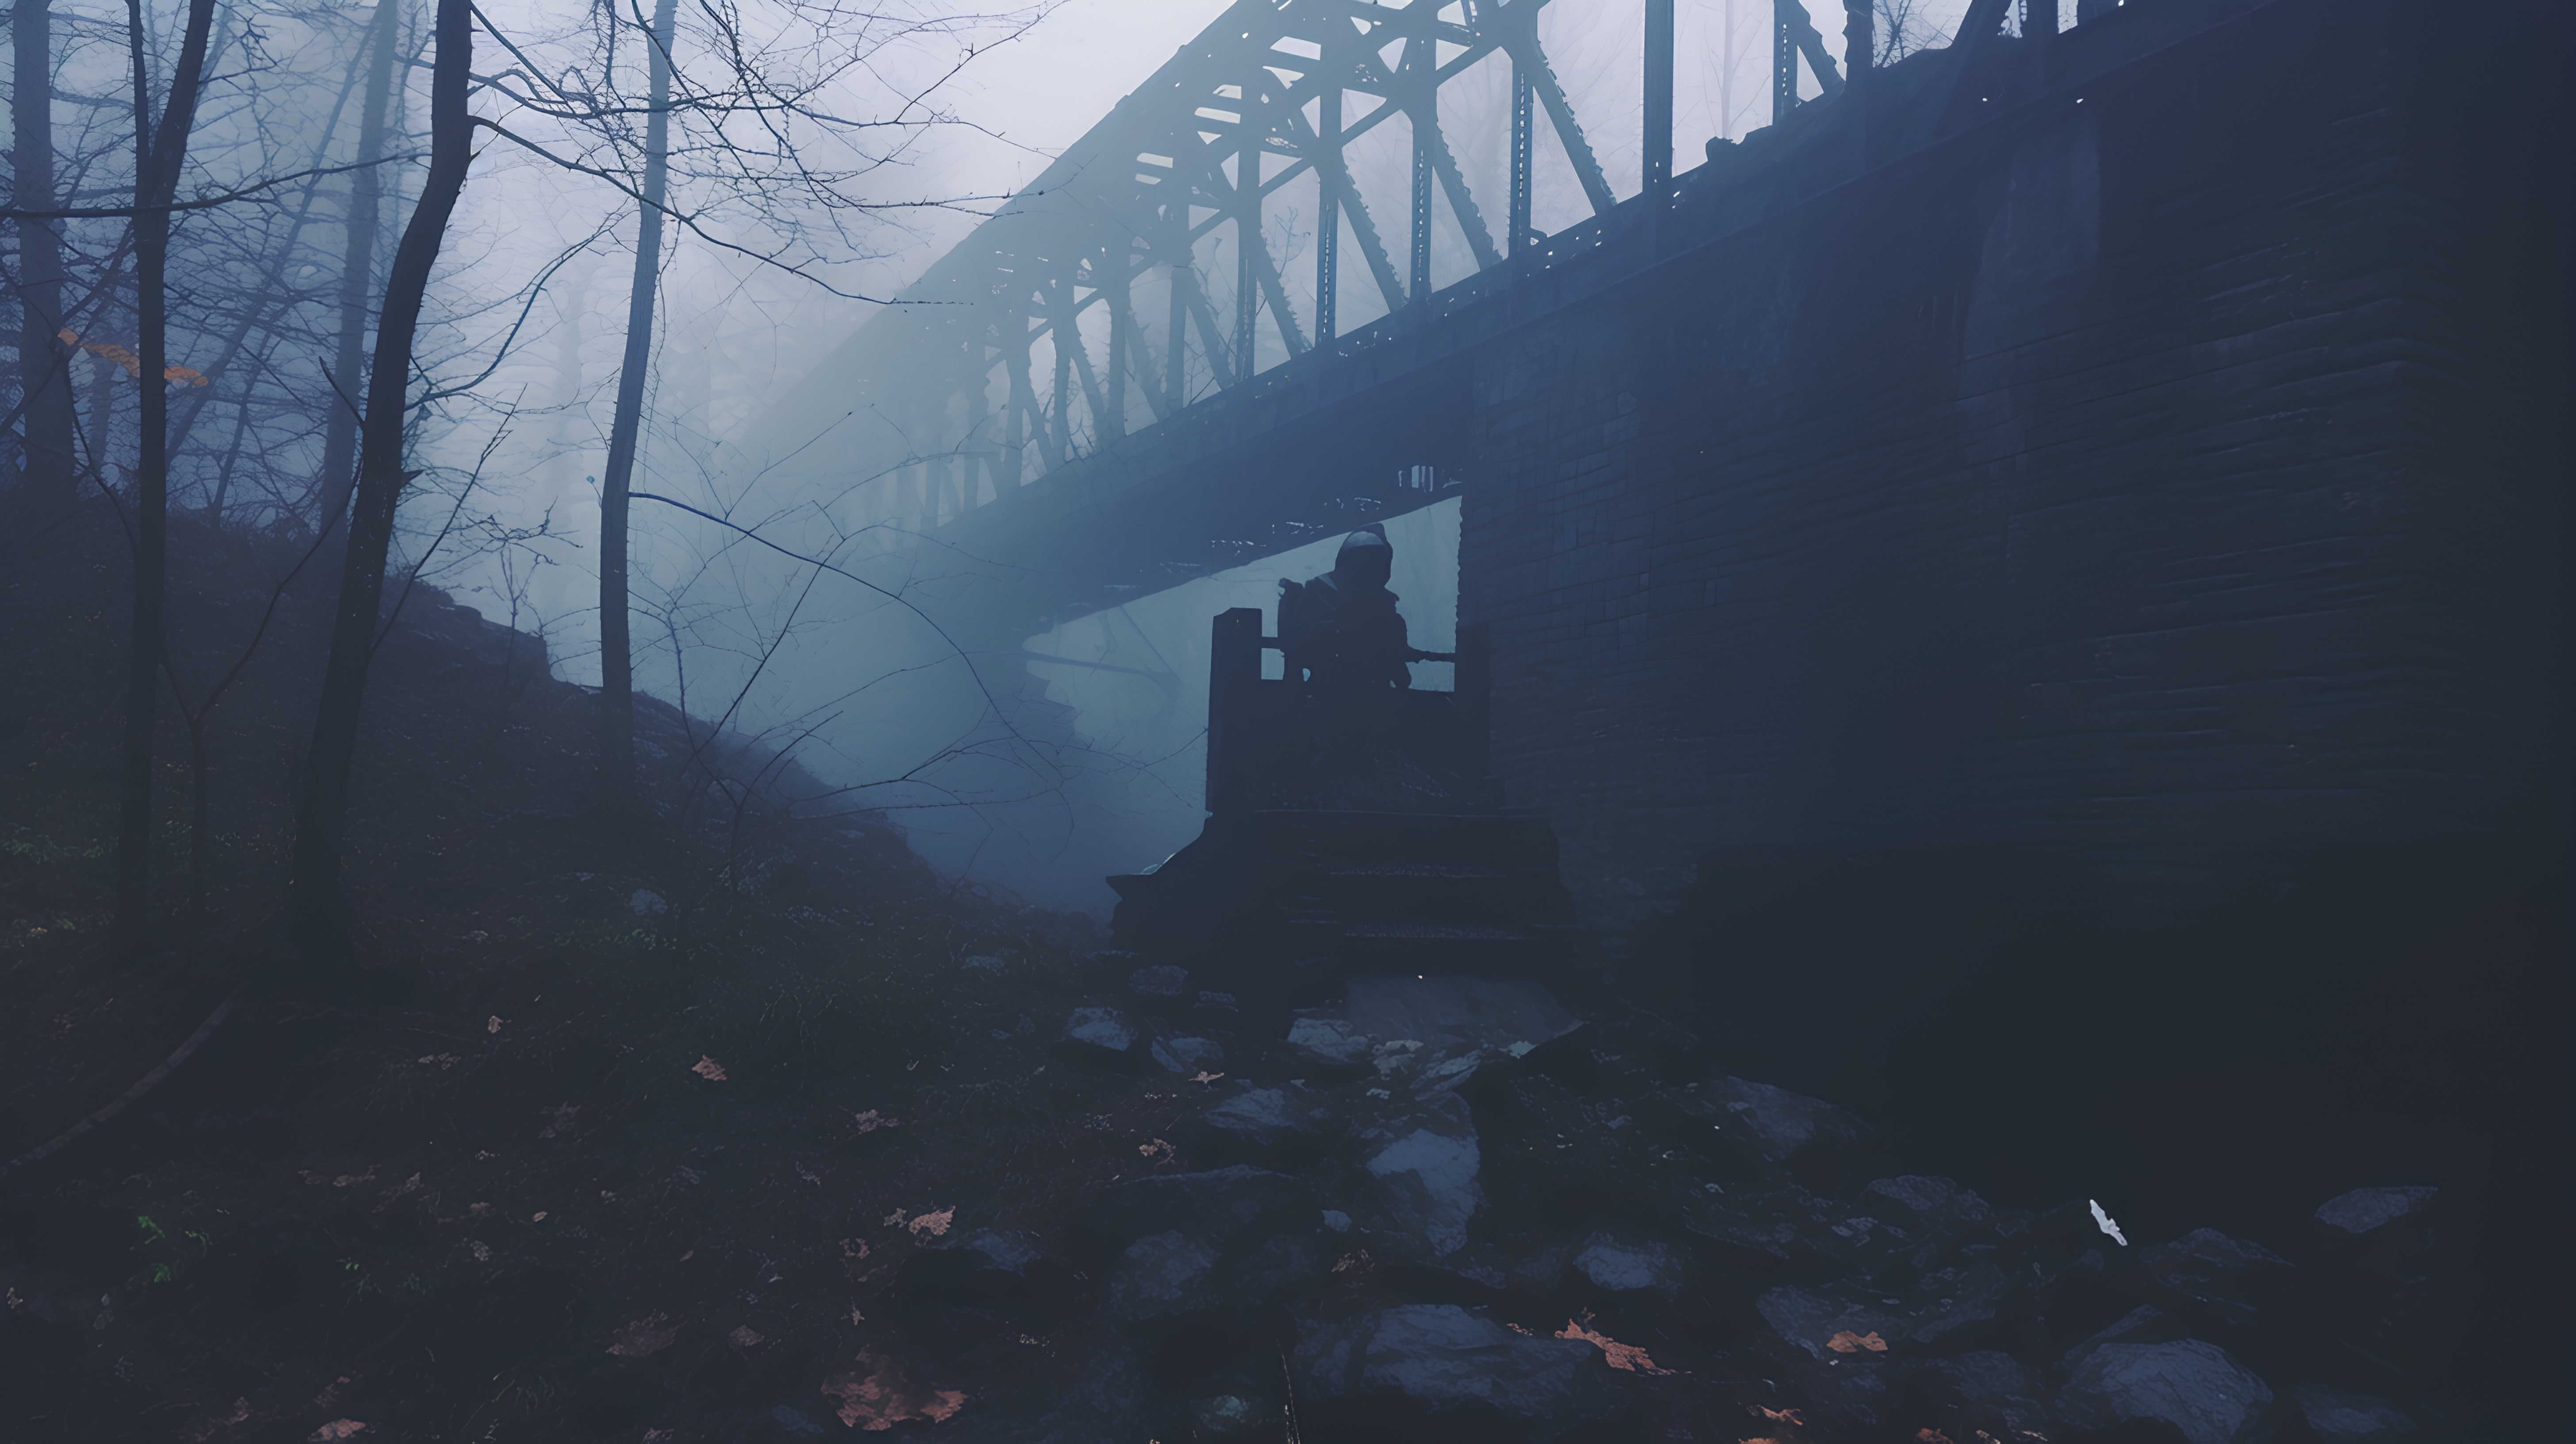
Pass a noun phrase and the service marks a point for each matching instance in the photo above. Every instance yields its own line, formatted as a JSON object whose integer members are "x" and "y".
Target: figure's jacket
{"x": 1346, "y": 636}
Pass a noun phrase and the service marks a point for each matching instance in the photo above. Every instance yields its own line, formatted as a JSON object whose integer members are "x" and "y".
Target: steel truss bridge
{"x": 1086, "y": 338}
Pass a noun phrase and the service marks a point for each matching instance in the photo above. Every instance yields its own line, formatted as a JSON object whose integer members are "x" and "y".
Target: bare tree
{"x": 616, "y": 653}
{"x": 44, "y": 375}
{"x": 160, "y": 148}
{"x": 322, "y": 801}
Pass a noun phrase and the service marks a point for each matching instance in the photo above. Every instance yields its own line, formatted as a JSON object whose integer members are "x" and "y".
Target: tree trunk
{"x": 616, "y": 654}
{"x": 357, "y": 272}
{"x": 159, "y": 151}
{"x": 44, "y": 371}
{"x": 322, "y": 800}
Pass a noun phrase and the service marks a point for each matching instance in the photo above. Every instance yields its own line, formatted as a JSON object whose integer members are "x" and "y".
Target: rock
{"x": 1475, "y": 1012}
{"x": 1227, "y": 1416}
{"x": 2236, "y": 1280}
{"x": 1524, "y": 1272}
{"x": 1437, "y": 1370}
{"x": 1211, "y": 1001}
{"x": 1185, "y": 1056}
{"x": 795, "y": 1423}
{"x": 2192, "y": 1384}
{"x": 1426, "y": 1163}
{"x": 1002, "y": 1267}
{"x": 1930, "y": 1207}
{"x": 1629, "y": 1268}
{"x": 1275, "y": 1125}
{"x": 1809, "y": 1318}
{"x": 1780, "y": 1126}
{"x": 647, "y": 903}
{"x": 1162, "y": 981}
{"x": 1786, "y": 1223}
{"x": 1990, "y": 1391}
{"x": 1162, "y": 1275}
{"x": 2366, "y": 1209}
{"x": 1337, "y": 1221}
{"x": 2337, "y": 1417}
{"x": 1235, "y": 1208}
{"x": 1102, "y": 1035}
{"x": 1328, "y": 1042}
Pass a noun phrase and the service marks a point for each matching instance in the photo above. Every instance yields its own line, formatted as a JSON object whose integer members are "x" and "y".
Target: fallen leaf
{"x": 539, "y": 1217}
{"x": 809, "y": 1175}
{"x": 872, "y": 1120}
{"x": 1777, "y": 1416}
{"x": 494, "y": 1026}
{"x": 933, "y": 1224}
{"x": 890, "y": 1220}
{"x": 482, "y": 1251}
{"x": 1621, "y": 1356}
{"x": 855, "y": 1316}
{"x": 1848, "y": 1342}
{"x": 1204, "y": 1076}
{"x": 559, "y": 1119}
{"x": 408, "y": 1185}
{"x": 1158, "y": 1151}
{"x": 876, "y": 1395}
{"x": 1931, "y": 1436}
{"x": 708, "y": 1068}
{"x": 854, "y": 1248}
{"x": 337, "y": 1429}
{"x": 650, "y": 1334}
{"x": 444, "y": 1061}
{"x": 746, "y": 1337}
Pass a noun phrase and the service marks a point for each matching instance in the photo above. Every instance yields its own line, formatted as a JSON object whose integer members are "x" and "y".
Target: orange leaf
{"x": 1930, "y": 1436}
{"x": 747, "y": 1337}
{"x": 337, "y": 1429}
{"x": 1777, "y": 1416}
{"x": 876, "y": 1396}
{"x": 871, "y": 1121}
{"x": 1848, "y": 1342}
{"x": 1621, "y": 1356}
{"x": 650, "y": 1334}
{"x": 708, "y": 1068}
{"x": 933, "y": 1224}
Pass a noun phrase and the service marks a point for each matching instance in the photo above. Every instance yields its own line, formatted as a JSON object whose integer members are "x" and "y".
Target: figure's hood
{"x": 1372, "y": 535}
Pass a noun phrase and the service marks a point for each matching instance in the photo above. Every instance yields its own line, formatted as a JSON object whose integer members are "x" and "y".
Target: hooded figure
{"x": 1342, "y": 628}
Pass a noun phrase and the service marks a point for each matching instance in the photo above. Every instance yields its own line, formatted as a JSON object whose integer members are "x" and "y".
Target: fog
{"x": 765, "y": 594}
{"x": 877, "y": 700}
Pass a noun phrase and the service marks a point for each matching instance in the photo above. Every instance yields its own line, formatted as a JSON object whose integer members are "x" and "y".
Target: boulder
{"x": 1101, "y": 1035}
{"x": 1425, "y": 1161}
{"x": 2366, "y": 1210}
{"x": 1235, "y": 1209}
{"x": 1931, "y": 1208}
{"x": 2335, "y": 1416}
{"x": 2191, "y": 1384}
{"x": 1782, "y": 1127}
{"x": 1627, "y": 1267}
{"x": 989, "y": 1267}
{"x": 1985, "y": 1391}
{"x": 1423, "y": 1372}
{"x": 1328, "y": 1043}
{"x": 1266, "y": 1125}
{"x": 1187, "y": 1056}
{"x": 1230, "y": 1416}
{"x": 1478, "y": 1013}
{"x": 2234, "y": 1280}
{"x": 1163, "y": 1275}
{"x": 1162, "y": 982}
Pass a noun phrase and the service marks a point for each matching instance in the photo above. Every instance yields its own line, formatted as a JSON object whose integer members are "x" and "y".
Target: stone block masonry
{"x": 2164, "y": 478}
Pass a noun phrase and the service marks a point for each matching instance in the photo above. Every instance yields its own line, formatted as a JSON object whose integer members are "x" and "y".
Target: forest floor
{"x": 724, "y": 1125}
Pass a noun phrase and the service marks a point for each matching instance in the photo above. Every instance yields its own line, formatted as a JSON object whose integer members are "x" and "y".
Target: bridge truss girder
{"x": 1259, "y": 101}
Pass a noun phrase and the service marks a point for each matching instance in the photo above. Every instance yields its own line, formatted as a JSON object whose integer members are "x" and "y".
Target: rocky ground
{"x": 735, "y": 1126}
